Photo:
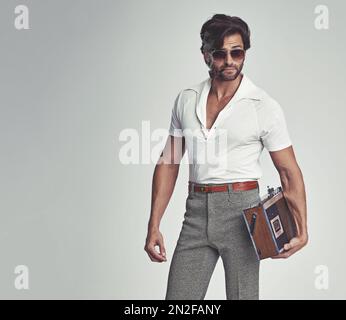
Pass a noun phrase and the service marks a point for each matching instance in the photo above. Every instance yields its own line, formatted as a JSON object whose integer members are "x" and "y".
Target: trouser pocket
{"x": 250, "y": 198}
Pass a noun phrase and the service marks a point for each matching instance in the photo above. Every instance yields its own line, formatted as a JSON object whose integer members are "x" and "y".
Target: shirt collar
{"x": 245, "y": 90}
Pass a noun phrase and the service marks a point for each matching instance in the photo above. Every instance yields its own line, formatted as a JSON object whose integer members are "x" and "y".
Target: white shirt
{"x": 250, "y": 121}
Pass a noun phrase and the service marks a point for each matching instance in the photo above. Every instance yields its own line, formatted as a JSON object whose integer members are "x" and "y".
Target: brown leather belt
{"x": 235, "y": 186}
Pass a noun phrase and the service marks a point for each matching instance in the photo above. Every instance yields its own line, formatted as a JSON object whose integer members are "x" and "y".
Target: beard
{"x": 225, "y": 75}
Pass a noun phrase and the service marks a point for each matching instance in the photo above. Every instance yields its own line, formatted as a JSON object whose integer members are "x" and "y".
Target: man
{"x": 225, "y": 107}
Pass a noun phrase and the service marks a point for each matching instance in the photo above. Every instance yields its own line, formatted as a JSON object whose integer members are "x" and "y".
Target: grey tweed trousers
{"x": 213, "y": 226}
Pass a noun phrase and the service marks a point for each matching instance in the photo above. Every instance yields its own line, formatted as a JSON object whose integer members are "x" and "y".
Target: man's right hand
{"x": 154, "y": 238}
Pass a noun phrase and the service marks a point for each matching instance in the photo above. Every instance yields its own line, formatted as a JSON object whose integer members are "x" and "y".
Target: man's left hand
{"x": 292, "y": 247}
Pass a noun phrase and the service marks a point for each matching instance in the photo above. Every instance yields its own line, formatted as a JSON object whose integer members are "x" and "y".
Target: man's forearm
{"x": 294, "y": 192}
{"x": 164, "y": 178}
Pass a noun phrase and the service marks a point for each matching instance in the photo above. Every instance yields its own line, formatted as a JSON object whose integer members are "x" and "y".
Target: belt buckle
{"x": 204, "y": 188}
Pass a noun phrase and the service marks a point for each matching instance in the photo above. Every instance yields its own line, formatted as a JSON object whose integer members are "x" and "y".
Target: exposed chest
{"x": 213, "y": 108}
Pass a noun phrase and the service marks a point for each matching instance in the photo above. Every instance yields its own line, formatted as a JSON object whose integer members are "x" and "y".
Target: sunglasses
{"x": 221, "y": 54}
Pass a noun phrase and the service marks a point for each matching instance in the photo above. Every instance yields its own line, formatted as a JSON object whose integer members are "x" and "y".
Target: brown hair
{"x": 218, "y": 27}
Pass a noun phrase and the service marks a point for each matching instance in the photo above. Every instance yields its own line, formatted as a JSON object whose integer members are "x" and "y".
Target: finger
{"x": 293, "y": 250}
{"x": 153, "y": 258}
{"x": 282, "y": 255}
{"x": 293, "y": 243}
{"x": 287, "y": 253}
{"x": 162, "y": 254}
{"x": 155, "y": 254}
{"x": 287, "y": 246}
{"x": 162, "y": 251}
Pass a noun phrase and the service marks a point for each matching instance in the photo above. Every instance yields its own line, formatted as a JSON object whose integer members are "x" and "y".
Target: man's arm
{"x": 294, "y": 191}
{"x": 164, "y": 179}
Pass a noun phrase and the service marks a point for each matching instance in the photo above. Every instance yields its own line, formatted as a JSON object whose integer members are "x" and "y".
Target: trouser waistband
{"x": 234, "y": 186}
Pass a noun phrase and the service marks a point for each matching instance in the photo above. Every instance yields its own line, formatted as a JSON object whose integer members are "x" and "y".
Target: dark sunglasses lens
{"x": 237, "y": 54}
{"x": 219, "y": 54}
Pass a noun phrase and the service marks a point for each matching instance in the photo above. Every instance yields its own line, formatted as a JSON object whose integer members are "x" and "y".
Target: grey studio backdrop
{"x": 76, "y": 216}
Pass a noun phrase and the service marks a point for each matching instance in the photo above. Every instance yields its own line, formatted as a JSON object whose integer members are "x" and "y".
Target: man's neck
{"x": 224, "y": 89}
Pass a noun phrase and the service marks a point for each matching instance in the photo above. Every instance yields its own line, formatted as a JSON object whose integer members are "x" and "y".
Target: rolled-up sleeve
{"x": 175, "y": 128}
{"x": 273, "y": 129}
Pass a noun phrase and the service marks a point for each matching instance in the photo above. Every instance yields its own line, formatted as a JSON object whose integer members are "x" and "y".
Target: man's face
{"x": 234, "y": 65}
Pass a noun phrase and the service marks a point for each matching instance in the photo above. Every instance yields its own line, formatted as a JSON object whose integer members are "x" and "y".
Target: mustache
{"x": 224, "y": 68}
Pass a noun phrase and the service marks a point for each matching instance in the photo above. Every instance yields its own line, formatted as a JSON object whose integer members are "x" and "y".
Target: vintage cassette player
{"x": 270, "y": 224}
